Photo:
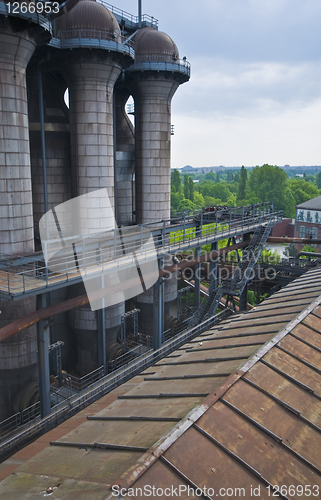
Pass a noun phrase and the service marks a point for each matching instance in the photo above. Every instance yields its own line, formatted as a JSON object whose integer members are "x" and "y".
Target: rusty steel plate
{"x": 301, "y": 350}
{"x": 286, "y": 391}
{"x": 294, "y": 432}
{"x": 207, "y": 465}
{"x": 307, "y": 334}
{"x": 255, "y": 447}
{"x": 294, "y": 368}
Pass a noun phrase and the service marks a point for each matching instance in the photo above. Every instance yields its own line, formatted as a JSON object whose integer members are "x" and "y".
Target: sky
{"x": 254, "y": 96}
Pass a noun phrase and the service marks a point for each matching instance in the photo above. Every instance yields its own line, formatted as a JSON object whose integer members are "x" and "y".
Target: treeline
{"x": 244, "y": 187}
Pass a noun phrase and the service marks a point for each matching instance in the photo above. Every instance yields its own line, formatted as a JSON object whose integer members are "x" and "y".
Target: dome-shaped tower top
{"x": 90, "y": 17}
{"x": 153, "y": 45}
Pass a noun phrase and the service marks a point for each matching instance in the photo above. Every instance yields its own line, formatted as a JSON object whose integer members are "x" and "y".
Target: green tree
{"x": 186, "y": 206}
{"x": 198, "y": 200}
{"x": 242, "y": 184}
{"x": 302, "y": 191}
{"x": 210, "y": 176}
{"x": 176, "y": 198}
{"x": 219, "y": 190}
{"x": 212, "y": 202}
{"x": 186, "y": 186}
{"x": 190, "y": 189}
{"x": 268, "y": 183}
{"x": 176, "y": 180}
{"x": 318, "y": 179}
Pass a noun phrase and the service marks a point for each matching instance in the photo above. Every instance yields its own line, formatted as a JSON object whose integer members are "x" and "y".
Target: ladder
{"x": 235, "y": 284}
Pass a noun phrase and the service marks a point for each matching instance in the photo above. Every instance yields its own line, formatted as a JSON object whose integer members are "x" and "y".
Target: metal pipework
{"x": 307, "y": 254}
{"x": 301, "y": 241}
{"x": 67, "y": 305}
{"x": 139, "y": 13}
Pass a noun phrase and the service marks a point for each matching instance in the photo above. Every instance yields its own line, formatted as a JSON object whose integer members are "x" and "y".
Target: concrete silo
{"x": 91, "y": 58}
{"x": 153, "y": 80}
{"x": 18, "y": 355}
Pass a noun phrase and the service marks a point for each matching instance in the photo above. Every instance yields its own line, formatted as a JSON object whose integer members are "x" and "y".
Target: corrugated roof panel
{"x": 255, "y": 447}
{"x": 286, "y": 391}
{"x": 295, "y": 369}
{"x": 254, "y": 431}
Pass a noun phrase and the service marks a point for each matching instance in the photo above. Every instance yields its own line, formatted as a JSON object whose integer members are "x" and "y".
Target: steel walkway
{"x": 28, "y": 275}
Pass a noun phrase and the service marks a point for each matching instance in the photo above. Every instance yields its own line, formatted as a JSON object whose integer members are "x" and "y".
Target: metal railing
{"x": 108, "y": 251}
{"x": 79, "y": 401}
{"x": 79, "y": 384}
{"x": 93, "y": 38}
{"x": 125, "y": 358}
{"x": 147, "y": 20}
{"x": 15, "y": 10}
{"x": 157, "y": 64}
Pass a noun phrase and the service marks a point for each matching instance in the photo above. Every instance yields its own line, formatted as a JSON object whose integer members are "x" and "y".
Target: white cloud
{"x": 254, "y": 95}
{"x": 290, "y": 136}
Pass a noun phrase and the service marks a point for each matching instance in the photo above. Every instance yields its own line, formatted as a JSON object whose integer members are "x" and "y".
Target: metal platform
{"x": 26, "y": 275}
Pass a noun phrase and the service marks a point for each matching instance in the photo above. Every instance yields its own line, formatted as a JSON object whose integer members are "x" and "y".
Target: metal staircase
{"x": 235, "y": 284}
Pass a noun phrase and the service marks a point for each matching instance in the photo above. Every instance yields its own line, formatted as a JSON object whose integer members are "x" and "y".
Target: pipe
{"x": 67, "y": 305}
{"x": 42, "y": 136}
{"x": 139, "y": 13}
{"x": 284, "y": 239}
{"x": 307, "y": 254}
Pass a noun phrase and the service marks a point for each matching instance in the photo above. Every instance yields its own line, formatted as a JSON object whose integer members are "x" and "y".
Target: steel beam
{"x": 213, "y": 268}
{"x": 43, "y": 361}
{"x": 158, "y": 313}
{"x": 101, "y": 322}
{"x": 197, "y": 280}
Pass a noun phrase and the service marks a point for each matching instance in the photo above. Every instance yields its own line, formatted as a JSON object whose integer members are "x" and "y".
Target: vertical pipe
{"x": 158, "y": 311}
{"x": 115, "y": 163}
{"x": 197, "y": 280}
{"x": 101, "y": 323}
{"x": 213, "y": 270}
{"x": 139, "y": 13}
{"x": 43, "y": 361}
{"x": 42, "y": 137}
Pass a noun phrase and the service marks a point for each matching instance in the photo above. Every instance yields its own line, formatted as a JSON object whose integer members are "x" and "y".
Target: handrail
{"x": 103, "y": 386}
{"x": 34, "y": 275}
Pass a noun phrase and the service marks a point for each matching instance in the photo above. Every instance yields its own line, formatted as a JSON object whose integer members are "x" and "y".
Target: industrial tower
{"x": 52, "y": 152}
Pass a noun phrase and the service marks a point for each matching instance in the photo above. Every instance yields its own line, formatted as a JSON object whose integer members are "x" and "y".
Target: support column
{"x": 43, "y": 361}
{"x": 158, "y": 313}
{"x": 197, "y": 280}
{"x": 243, "y": 299}
{"x": 213, "y": 270}
{"x": 101, "y": 321}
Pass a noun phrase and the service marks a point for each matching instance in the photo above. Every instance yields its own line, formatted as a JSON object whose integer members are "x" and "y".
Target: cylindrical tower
{"x": 154, "y": 79}
{"x": 18, "y": 355}
{"x": 15, "y": 174}
{"x": 91, "y": 69}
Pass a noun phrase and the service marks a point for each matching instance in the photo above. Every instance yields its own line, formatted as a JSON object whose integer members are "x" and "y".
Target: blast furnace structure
{"x": 52, "y": 151}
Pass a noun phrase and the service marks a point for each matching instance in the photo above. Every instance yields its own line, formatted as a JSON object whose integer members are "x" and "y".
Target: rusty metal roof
{"x": 238, "y": 407}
